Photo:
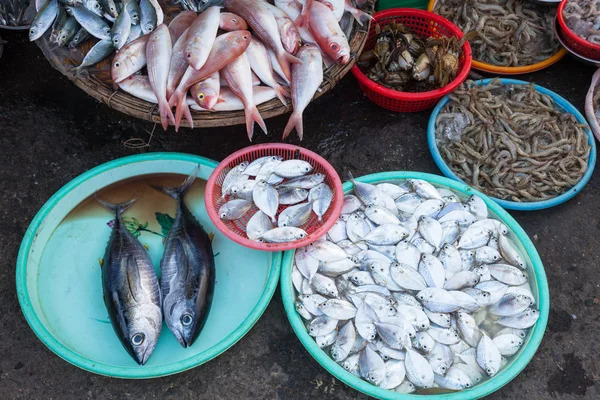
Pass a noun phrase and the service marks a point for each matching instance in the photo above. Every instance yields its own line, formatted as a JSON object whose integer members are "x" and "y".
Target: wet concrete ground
{"x": 51, "y": 131}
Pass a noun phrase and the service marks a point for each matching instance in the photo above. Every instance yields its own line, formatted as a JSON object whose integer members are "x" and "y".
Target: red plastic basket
{"x": 235, "y": 230}
{"x": 575, "y": 43}
{"x": 423, "y": 23}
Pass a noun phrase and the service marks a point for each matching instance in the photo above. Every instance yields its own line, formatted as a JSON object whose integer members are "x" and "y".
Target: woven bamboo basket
{"x": 96, "y": 80}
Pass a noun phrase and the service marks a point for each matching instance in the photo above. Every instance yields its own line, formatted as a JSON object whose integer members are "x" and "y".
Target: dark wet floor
{"x": 51, "y": 131}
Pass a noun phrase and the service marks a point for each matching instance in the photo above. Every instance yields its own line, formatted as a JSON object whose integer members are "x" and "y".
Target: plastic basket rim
{"x": 423, "y": 96}
{"x": 524, "y": 69}
{"x": 569, "y": 34}
{"x": 336, "y": 205}
{"x": 62, "y": 350}
{"x": 479, "y": 391}
{"x": 513, "y": 205}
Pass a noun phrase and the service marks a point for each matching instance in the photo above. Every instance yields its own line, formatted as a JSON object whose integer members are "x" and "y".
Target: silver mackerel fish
{"x": 131, "y": 291}
{"x": 188, "y": 271}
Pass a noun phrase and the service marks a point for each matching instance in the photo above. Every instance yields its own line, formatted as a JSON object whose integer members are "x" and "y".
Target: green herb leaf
{"x": 165, "y": 221}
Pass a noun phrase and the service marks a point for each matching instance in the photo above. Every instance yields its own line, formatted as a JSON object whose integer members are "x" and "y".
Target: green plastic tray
{"x": 58, "y": 274}
{"x": 539, "y": 286}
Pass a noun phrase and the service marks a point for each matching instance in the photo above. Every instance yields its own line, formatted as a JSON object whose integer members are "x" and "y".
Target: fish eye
{"x": 117, "y": 64}
{"x": 189, "y": 55}
{"x": 32, "y": 31}
{"x": 201, "y": 96}
{"x": 137, "y": 339}
{"x": 245, "y": 37}
{"x": 97, "y": 5}
{"x": 467, "y": 384}
{"x": 233, "y": 20}
{"x": 334, "y": 47}
{"x": 186, "y": 319}
{"x": 443, "y": 368}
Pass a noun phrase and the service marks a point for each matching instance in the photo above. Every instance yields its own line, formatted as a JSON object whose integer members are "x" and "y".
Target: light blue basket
{"x": 513, "y": 205}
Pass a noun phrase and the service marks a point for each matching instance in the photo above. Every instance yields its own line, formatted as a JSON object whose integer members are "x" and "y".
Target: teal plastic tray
{"x": 59, "y": 278}
{"x": 539, "y": 286}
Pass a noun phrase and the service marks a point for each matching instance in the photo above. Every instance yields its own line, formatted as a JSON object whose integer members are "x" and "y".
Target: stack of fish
{"x": 136, "y": 301}
{"x": 74, "y": 21}
{"x": 202, "y": 53}
{"x": 415, "y": 288}
{"x": 583, "y": 18}
{"x": 15, "y": 13}
{"x": 276, "y": 183}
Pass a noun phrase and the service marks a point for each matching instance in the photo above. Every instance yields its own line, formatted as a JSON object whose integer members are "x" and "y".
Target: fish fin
{"x": 179, "y": 191}
{"x": 101, "y": 262}
{"x": 185, "y": 267}
{"x": 165, "y": 114}
{"x": 303, "y": 19}
{"x": 133, "y": 276}
{"x": 281, "y": 93}
{"x": 188, "y": 116}
{"x": 285, "y": 59}
{"x": 351, "y": 177}
{"x": 359, "y": 16}
{"x": 211, "y": 236}
{"x": 119, "y": 208}
{"x": 295, "y": 121}
{"x": 180, "y": 110}
{"x": 252, "y": 115}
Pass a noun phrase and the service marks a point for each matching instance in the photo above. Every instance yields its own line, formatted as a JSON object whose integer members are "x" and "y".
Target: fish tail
{"x": 350, "y": 176}
{"x": 285, "y": 59}
{"x": 252, "y": 115}
{"x": 303, "y": 18}
{"x": 359, "y": 16}
{"x": 119, "y": 208}
{"x": 281, "y": 93}
{"x": 165, "y": 114}
{"x": 181, "y": 105}
{"x": 179, "y": 191}
{"x": 188, "y": 115}
{"x": 294, "y": 122}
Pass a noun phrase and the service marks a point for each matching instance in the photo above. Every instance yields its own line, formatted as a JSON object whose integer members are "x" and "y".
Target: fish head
{"x": 185, "y": 320}
{"x": 33, "y": 31}
{"x": 149, "y": 27}
{"x": 112, "y": 10}
{"x": 232, "y": 22}
{"x": 143, "y": 332}
{"x": 207, "y": 98}
{"x": 337, "y": 48}
{"x": 239, "y": 39}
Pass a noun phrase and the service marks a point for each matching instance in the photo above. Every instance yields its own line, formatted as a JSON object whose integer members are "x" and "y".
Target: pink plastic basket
{"x": 235, "y": 230}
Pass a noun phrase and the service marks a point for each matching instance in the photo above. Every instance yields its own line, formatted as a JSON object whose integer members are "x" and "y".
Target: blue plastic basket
{"x": 513, "y": 205}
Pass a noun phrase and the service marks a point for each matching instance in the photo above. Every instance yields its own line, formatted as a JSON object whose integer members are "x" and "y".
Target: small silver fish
{"x": 234, "y": 209}
{"x": 293, "y": 168}
{"x": 321, "y": 197}
{"x": 284, "y": 234}
{"x": 291, "y": 195}
{"x": 266, "y": 199}
{"x": 258, "y": 225}
{"x": 297, "y": 215}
